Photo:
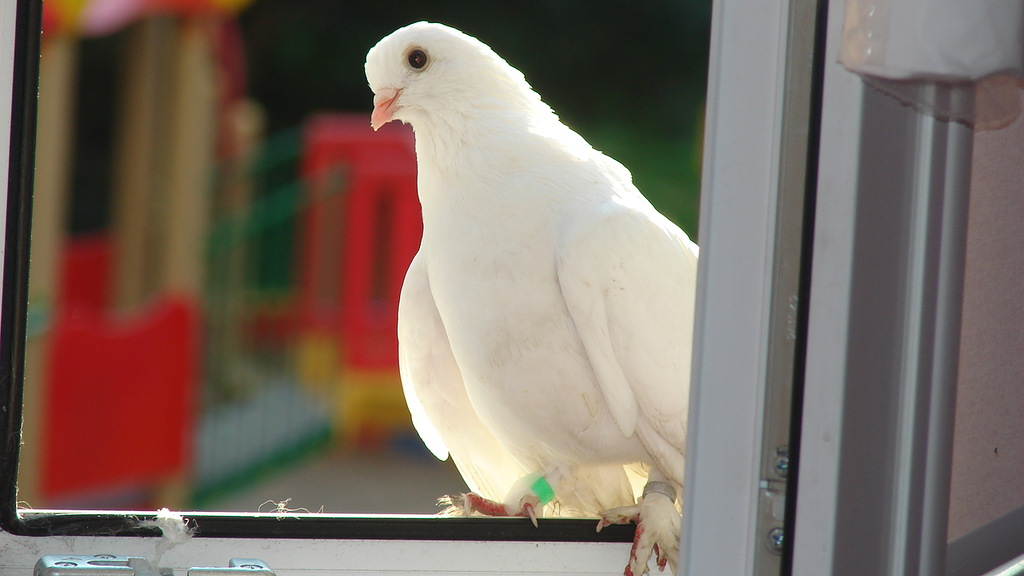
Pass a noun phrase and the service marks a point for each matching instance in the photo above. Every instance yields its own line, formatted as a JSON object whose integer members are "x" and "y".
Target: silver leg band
{"x": 660, "y": 488}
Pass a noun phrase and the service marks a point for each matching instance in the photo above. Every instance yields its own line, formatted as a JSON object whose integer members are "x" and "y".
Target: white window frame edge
{"x": 18, "y": 554}
{"x": 721, "y": 529}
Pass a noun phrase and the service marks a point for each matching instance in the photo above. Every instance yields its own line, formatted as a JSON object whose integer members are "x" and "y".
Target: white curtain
{"x": 955, "y": 59}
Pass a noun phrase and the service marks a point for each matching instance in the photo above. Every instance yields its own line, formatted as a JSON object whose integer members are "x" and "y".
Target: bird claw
{"x": 657, "y": 523}
{"x": 452, "y": 505}
{"x": 662, "y": 559}
{"x": 529, "y": 511}
{"x": 469, "y": 503}
{"x": 620, "y": 515}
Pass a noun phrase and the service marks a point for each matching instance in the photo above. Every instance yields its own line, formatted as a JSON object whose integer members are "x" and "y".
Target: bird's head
{"x": 428, "y": 72}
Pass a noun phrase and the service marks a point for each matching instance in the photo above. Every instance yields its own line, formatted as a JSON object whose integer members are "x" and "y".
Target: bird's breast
{"x": 525, "y": 369}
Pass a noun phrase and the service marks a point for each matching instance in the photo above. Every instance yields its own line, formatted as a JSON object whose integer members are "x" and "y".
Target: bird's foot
{"x": 657, "y": 532}
{"x": 469, "y": 503}
{"x": 620, "y": 515}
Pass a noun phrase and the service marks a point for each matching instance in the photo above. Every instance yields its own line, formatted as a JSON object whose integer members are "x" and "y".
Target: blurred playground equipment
{"x": 360, "y": 231}
{"x": 240, "y": 308}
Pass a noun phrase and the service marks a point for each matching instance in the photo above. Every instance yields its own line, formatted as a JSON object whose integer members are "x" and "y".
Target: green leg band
{"x": 542, "y": 490}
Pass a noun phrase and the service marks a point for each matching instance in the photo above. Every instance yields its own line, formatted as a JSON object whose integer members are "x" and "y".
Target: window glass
{"x": 213, "y": 294}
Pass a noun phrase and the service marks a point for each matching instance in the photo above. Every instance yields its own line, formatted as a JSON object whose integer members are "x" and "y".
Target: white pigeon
{"x": 545, "y": 323}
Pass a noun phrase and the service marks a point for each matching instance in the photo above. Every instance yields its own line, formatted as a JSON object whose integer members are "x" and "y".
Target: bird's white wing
{"x": 628, "y": 277}
{"x": 434, "y": 389}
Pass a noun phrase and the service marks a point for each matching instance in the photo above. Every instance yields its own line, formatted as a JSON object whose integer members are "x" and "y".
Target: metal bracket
{"x": 236, "y": 567}
{"x": 111, "y": 565}
{"x": 795, "y": 178}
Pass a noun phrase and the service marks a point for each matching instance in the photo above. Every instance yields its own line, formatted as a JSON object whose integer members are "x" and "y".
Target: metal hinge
{"x": 111, "y": 565}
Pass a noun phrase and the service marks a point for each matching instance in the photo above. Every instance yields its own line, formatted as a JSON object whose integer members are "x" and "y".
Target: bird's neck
{"x": 455, "y": 146}
{"x": 447, "y": 161}
{"x": 462, "y": 163}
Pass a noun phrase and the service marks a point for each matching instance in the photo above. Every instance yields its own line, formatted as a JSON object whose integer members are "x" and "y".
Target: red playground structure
{"x": 360, "y": 230}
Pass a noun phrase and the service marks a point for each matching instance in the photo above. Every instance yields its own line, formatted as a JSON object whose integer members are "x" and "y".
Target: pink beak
{"x": 384, "y": 107}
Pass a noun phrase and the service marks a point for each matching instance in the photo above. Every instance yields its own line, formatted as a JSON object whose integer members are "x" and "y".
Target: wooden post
{"x": 191, "y": 148}
{"x": 142, "y": 142}
{"x": 54, "y": 137}
{"x": 184, "y": 203}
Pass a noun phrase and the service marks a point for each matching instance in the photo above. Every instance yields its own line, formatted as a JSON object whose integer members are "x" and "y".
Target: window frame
{"x": 19, "y": 75}
{"x": 20, "y": 23}
{"x": 348, "y": 538}
{"x": 883, "y": 341}
{"x": 723, "y": 531}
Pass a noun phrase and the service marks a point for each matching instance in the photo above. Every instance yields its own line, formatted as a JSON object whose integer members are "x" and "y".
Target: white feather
{"x": 444, "y": 417}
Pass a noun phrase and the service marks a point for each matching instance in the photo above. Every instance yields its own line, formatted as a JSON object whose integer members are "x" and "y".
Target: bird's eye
{"x": 417, "y": 58}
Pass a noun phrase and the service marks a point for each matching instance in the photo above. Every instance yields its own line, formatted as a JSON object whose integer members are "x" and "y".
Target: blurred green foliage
{"x": 629, "y": 76}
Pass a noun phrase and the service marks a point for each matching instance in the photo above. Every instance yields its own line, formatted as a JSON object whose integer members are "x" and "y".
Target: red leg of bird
{"x": 662, "y": 560}
{"x": 625, "y": 515}
{"x": 471, "y": 502}
{"x": 632, "y": 551}
{"x": 477, "y": 503}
